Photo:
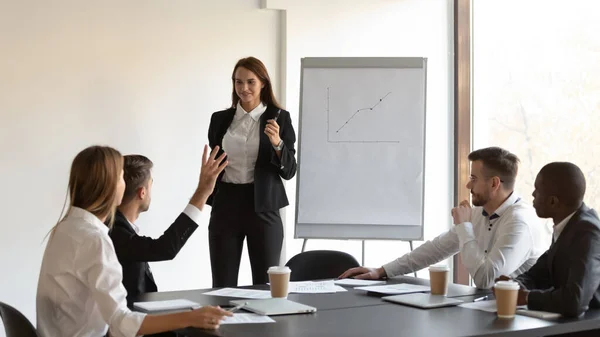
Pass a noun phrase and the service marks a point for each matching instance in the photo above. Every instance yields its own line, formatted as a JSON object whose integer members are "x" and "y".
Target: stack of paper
{"x": 490, "y": 306}
{"x": 538, "y": 314}
{"x": 487, "y": 306}
{"x": 308, "y": 287}
{"x": 241, "y": 293}
{"x": 315, "y": 287}
{"x": 247, "y": 318}
{"x": 396, "y": 289}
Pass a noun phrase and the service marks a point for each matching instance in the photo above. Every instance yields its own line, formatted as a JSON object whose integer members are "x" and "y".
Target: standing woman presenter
{"x": 258, "y": 138}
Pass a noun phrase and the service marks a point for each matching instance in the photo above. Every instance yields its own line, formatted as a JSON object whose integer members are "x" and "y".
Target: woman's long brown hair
{"x": 95, "y": 173}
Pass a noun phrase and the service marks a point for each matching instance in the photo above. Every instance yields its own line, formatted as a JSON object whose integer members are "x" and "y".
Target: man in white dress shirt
{"x": 501, "y": 235}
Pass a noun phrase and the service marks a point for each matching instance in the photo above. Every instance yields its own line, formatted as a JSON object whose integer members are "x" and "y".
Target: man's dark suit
{"x": 566, "y": 278}
{"x": 134, "y": 251}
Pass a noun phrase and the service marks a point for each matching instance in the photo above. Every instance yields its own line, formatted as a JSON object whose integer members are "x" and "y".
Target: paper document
{"x": 340, "y": 289}
{"x": 396, "y": 289}
{"x": 310, "y": 287}
{"x": 352, "y": 282}
{"x": 538, "y": 314}
{"x": 487, "y": 306}
{"x": 246, "y": 319}
{"x": 241, "y": 293}
{"x": 166, "y": 305}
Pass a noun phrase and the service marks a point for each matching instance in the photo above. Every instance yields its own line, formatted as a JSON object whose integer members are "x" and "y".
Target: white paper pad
{"x": 166, "y": 305}
{"x": 396, "y": 289}
{"x": 538, "y": 314}
{"x": 487, "y": 306}
{"x": 241, "y": 293}
{"x": 247, "y": 319}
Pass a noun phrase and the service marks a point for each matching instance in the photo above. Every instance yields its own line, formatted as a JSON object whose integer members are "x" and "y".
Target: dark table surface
{"x": 390, "y": 320}
{"x": 356, "y": 313}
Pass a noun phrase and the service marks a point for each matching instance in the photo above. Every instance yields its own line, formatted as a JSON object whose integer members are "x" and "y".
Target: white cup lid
{"x": 279, "y": 270}
{"x": 507, "y": 285}
{"x": 439, "y": 268}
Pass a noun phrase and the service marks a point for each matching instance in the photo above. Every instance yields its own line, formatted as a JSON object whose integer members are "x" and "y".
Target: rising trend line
{"x": 359, "y": 110}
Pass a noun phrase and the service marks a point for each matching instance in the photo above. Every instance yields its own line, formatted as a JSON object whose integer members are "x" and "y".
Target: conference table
{"x": 358, "y": 313}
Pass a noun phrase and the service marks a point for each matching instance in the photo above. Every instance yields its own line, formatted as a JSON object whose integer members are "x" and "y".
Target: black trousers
{"x": 234, "y": 219}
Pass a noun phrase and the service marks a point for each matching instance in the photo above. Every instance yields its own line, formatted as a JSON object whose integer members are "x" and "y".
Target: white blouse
{"x": 80, "y": 289}
{"x": 241, "y": 144}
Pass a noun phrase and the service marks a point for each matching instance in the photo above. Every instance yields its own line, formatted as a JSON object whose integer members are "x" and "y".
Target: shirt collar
{"x": 80, "y": 213}
{"x": 559, "y": 227}
{"x": 255, "y": 113}
{"x": 135, "y": 228}
{"x": 512, "y": 199}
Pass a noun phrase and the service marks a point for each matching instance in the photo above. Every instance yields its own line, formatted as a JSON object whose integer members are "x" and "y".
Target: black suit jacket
{"x": 269, "y": 192}
{"x": 134, "y": 251}
{"x": 566, "y": 278}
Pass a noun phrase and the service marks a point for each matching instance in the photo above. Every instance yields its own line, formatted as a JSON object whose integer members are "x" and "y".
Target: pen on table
{"x": 237, "y": 307}
{"x": 480, "y": 299}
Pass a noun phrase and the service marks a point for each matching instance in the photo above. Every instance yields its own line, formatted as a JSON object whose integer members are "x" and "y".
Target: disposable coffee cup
{"x": 279, "y": 278}
{"x": 438, "y": 279}
{"x": 506, "y": 298}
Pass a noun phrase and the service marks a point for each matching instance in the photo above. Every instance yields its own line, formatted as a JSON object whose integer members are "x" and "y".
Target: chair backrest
{"x": 320, "y": 264}
{"x": 15, "y": 323}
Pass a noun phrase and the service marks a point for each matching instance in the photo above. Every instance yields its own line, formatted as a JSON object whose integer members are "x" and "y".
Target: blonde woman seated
{"x": 80, "y": 291}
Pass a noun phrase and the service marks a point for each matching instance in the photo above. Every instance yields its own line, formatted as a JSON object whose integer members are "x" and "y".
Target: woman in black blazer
{"x": 258, "y": 138}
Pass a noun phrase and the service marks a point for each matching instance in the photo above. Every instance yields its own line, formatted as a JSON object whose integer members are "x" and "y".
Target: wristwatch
{"x": 280, "y": 146}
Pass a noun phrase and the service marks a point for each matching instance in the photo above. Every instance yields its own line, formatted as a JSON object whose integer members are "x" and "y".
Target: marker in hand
{"x": 277, "y": 115}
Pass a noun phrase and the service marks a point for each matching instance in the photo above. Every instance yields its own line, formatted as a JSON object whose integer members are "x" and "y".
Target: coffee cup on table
{"x": 506, "y": 293}
{"x": 279, "y": 278}
{"x": 438, "y": 279}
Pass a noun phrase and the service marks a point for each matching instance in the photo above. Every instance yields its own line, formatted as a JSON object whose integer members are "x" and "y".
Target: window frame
{"x": 462, "y": 113}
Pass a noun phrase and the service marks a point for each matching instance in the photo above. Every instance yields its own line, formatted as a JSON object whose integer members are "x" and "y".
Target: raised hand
{"x": 210, "y": 170}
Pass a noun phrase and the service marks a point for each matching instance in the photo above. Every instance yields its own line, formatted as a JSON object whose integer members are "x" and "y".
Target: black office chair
{"x": 15, "y": 324}
{"x": 320, "y": 264}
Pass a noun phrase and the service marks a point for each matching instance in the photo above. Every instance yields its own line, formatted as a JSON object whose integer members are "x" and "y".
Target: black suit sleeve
{"x": 538, "y": 276}
{"x": 212, "y": 132}
{"x": 212, "y": 142}
{"x": 134, "y": 248}
{"x": 287, "y": 163}
{"x": 583, "y": 280}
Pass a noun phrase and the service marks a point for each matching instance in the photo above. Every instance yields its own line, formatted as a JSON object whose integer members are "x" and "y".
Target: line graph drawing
{"x": 337, "y": 132}
{"x": 359, "y": 110}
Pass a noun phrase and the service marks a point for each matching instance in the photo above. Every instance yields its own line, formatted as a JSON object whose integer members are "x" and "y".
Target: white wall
{"x": 392, "y": 28}
{"x": 142, "y": 76}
